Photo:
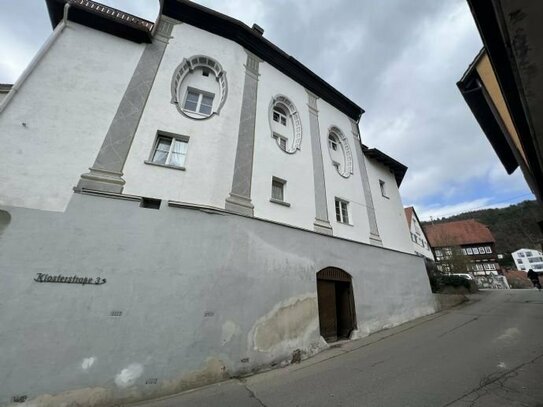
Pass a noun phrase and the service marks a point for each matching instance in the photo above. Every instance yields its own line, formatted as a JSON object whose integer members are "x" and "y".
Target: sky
{"x": 397, "y": 59}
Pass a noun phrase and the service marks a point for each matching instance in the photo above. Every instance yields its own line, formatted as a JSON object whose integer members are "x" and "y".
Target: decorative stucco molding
{"x": 375, "y": 238}
{"x": 295, "y": 141}
{"x": 321, "y": 224}
{"x": 106, "y": 172}
{"x": 186, "y": 67}
{"x": 346, "y": 169}
{"x": 239, "y": 199}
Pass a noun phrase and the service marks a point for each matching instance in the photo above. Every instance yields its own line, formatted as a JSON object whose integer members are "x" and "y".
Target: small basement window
{"x": 150, "y": 203}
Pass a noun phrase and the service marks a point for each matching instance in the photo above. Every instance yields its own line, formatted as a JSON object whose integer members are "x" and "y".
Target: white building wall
{"x": 526, "y": 259}
{"x": 53, "y": 127}
{"x": 212, "y": 146}
{"x": 349, "y": 189}
{"x": 416, "y": 230}
{"x": 270, "y": 161}
{"x": 389, "y": 210}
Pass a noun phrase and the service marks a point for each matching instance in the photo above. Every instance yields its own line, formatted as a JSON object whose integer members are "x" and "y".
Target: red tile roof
{"x": 409, "y": 215}
{"x": 458, "y": 233}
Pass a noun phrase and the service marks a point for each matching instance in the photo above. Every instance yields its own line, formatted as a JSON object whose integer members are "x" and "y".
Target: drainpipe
{"x": 37, "y": 58}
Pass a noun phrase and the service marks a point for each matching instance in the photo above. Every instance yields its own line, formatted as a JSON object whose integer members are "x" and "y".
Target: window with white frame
{"x": 169, "y": 151}
{"x": 469, "y": 251}
{"x": 342, "y": 211}
{"x": 521, "y": 254}
{"x": 528, "y": 254}
{"x": 282, "y": 141}
{"x": 475, "y": 250}
{"x": 438, "y": 252}
{"x": 279, "y": 115}
{"x": 488, "y": 249}
{"x": 464, "y": 252}
{"x": 520, "y": 261}
{"x": 198, "y": 101}
{"x": 333, "y": 141}
{"x": 382, "y": 185}
{"x": 492, "y": 266}
{"x": 481, "y": 250}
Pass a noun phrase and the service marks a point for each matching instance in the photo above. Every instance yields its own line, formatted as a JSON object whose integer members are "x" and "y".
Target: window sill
{"x": 278, "y": 202}
{"x": 197, "y": 114}
{"x": 173, "y": 167}
{"x": 343, "y": 223}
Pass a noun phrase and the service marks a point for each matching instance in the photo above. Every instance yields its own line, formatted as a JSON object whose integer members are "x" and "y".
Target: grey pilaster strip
{"x": 240, "y": 197}
{"x": 375, "y": 239}
{"x": 321, "y": 224}
{"x": 106, "y": 172}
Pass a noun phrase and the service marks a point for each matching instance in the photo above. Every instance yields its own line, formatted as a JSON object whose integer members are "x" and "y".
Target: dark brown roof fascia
{"x": 90, "y": 17}
{"x": 232, "y": 29}
{"x": 496, "y": 44}
{"x": 396, "y": 167}
{"x": 474, "y": 94}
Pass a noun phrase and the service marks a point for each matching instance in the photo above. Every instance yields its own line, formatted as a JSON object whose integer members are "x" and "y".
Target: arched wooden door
{"x": 337, "y": 317}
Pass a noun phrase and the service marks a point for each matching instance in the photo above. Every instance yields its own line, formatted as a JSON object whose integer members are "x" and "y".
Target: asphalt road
{"x": 488, "y": 352}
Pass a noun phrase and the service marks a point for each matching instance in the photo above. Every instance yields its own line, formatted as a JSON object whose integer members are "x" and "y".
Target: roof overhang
{"x": 512, "y": 35}
{"x": 102, "y": 18}
{"x": 397, "y": 168}
{"x": 253, "y": 41}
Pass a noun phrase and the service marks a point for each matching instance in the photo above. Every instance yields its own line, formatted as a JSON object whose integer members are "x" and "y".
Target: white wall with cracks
{"x": 198, "y": 297}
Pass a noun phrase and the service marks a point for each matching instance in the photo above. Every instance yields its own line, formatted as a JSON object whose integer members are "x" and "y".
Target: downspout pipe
{"x": 37, "y": 58}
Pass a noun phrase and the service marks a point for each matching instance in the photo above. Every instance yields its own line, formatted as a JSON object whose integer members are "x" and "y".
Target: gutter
{"x": 37, "y": 58}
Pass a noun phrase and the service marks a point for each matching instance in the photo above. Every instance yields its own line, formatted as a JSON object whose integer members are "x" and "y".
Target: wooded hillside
{"x": 513, "y": 227}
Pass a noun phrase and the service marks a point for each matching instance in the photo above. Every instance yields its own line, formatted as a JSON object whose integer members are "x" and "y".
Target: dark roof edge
{"x": 5, "y": 87}
{"x": 397, "y": 167}
{"x": 103, "y": 18}
{"x": 495, "y": 42}
{"x": 232, "y": 29}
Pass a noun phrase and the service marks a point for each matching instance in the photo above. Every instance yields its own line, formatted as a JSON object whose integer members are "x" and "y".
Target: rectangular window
{"x": 528, "y": 254}
{"x": 475, "y": 250}
{"x": 278, "y": 190}
{"x": 469, "y": 251}
{"x": 342, "y": 211}
{"x": 281, "y": 140}
{"x": 481, "y": 250}
{"x": 492, "y": 266}
{"x": 488, "y": 249}
{"x": 486, "y": 266}
{"x": 199, "y": 101}
{"x": 448, "y": 251}
{"x": 438, "y": 253}
{"x": 170, "y": 151}
{"x": 382, "y": 185}
{"x": 413, "y": 237}
{"x": 521, "y": 254}
{"x": 520, "y": 261}
{"x": 464, "y": 252}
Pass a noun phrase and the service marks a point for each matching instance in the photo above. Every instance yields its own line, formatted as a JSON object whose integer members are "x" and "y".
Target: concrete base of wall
{"x": 110, "y": 302}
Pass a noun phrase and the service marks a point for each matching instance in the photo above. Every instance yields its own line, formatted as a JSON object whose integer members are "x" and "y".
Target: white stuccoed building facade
{"x": 526, "y": 259}
{"x": 181, "y": 202}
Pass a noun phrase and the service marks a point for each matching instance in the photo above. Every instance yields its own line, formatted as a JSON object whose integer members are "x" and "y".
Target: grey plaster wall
{"x": 203, "y": 295}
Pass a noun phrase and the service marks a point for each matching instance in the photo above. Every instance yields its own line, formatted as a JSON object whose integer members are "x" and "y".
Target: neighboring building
{"x": 526, "y": 259}
{"x": 503, "y": 84}
{"x": 469, "y": 240}
{"x": 4, "y": 90}
{"x": 418, "y": 237}
{"x": 182, "y": 202}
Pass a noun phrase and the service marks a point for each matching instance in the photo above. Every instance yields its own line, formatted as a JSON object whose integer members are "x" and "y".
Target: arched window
{"x": 285, "y": 124}
{"x": 199, "y": 87}
{"x": 340, "y": 152}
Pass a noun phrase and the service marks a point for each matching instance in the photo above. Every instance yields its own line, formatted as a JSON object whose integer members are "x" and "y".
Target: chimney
{"x": 258, "y": 29}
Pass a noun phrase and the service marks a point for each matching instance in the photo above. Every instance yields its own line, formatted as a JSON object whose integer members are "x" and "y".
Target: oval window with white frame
{"x": 340, "y": 152}
{"x": 285, "y": 124}
{"x": 199, "y": 87}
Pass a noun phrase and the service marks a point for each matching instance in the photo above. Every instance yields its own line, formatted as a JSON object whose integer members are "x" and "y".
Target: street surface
{"x": 488, "y": 352}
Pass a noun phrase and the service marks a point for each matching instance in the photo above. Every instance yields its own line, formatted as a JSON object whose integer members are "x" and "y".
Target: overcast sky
{"x": 397, "y": 59}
